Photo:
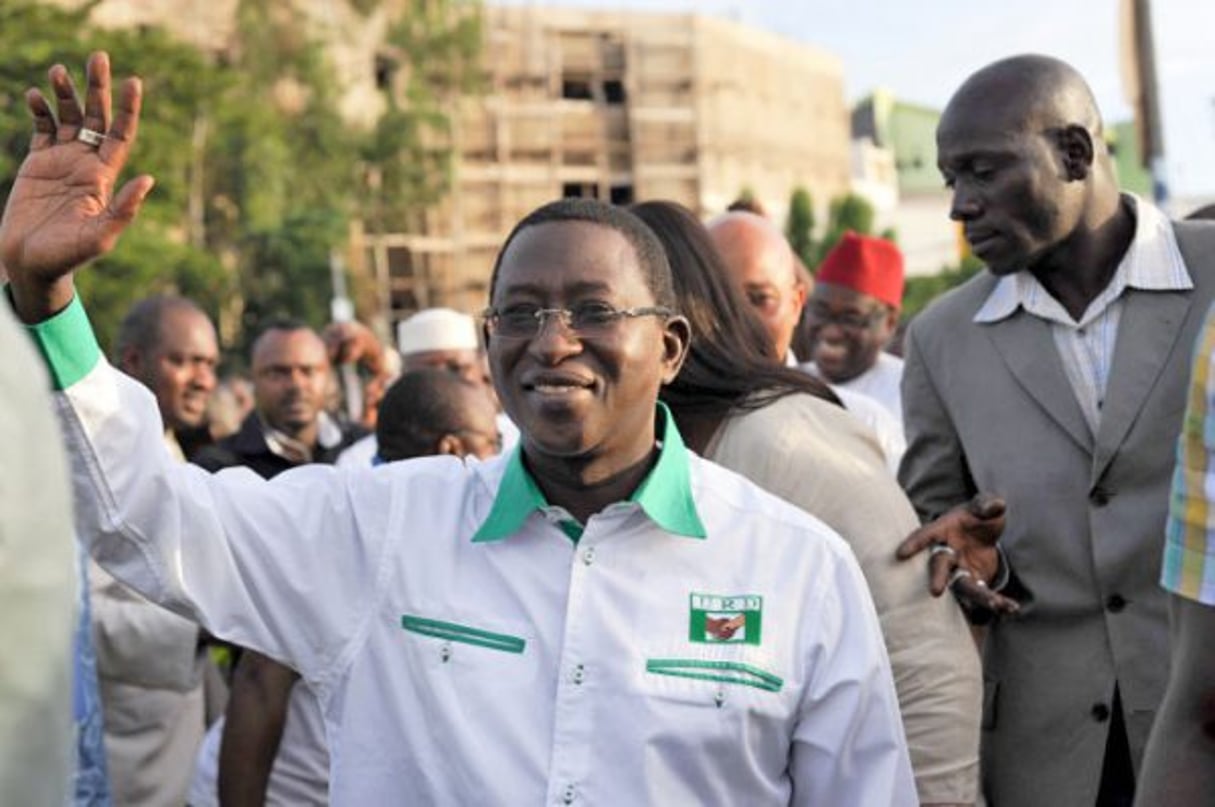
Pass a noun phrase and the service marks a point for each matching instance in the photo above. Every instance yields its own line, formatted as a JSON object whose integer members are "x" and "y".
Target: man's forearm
{"x": 253, "y": 729}
{"x": 1179, "y": 766}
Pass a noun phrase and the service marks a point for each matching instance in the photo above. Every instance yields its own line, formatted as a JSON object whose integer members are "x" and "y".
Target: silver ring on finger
{"x": 90, "y": 137}
{"x": 958, "y": 574}
{"x": 942, "y": 549}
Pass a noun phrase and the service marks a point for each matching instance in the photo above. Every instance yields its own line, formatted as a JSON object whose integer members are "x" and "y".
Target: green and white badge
{"x": 716, "y": 619}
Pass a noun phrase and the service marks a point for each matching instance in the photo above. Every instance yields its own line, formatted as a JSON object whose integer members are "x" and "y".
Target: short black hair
{"x": 418, "y": 409}
{"x": 650, "y": 254}
{"x": 140, "y": 328}
{"x": 289, "y": 324}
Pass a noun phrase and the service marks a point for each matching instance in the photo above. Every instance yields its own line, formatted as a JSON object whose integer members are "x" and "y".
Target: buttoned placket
{"x": 572, "y": 714}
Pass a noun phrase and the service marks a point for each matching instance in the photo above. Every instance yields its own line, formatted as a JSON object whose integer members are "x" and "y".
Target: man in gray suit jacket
{"x": 1056, "y": 380}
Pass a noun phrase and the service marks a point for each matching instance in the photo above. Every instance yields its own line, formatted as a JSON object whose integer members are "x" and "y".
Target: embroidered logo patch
{"x": 737, "y": 619}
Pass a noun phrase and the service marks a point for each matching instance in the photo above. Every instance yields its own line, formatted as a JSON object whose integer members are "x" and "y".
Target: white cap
{"x": 437, "y": 329}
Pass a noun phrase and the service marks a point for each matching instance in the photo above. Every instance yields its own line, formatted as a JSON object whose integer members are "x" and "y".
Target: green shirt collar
{"x": 665, "y": 494}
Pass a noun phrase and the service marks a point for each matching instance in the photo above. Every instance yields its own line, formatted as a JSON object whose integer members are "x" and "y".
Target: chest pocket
{"x": 717, "y": 678}
{"x": 472, "y": 650}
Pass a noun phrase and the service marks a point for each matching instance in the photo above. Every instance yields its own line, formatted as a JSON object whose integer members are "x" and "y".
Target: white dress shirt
{"x": 703, "y": 643}
{"x": 1086, "y": 345}
{"x": 882, "y": 382}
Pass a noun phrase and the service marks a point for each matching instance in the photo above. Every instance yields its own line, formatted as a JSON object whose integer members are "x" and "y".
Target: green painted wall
{"x": 907, "y": 129}
{"x": 1132, "y": 176}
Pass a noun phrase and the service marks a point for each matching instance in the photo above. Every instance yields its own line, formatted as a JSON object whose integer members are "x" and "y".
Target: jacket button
{"x": 1099, "y": 496}
{"x": 1115, "y": 603}
{"x": 1100, "y": 712}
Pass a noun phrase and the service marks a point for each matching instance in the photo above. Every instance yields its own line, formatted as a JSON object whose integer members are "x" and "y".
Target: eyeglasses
{"x": 588, "y": 320}
{"x": 848, "y": 320}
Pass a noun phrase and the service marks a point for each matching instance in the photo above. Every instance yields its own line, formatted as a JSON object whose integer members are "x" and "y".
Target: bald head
{"x": 1034, "y": 91}
{"x": 1020, "y": 146}
{"x": 762, "y": 264}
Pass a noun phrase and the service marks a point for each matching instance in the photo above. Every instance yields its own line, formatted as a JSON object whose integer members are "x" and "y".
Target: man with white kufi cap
{"x": 442, "y": 338}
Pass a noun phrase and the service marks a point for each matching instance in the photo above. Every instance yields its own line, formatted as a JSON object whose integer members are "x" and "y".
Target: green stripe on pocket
{"x": 729, "y": 672}
{"x": 462, "y": 633}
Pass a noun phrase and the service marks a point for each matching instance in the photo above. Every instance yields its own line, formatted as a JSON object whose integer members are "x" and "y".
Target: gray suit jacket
{"x": 988, "y": 407}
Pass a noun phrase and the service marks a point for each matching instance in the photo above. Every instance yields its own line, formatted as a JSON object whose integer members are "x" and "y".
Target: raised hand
{"x": 63, "y": 211}
{"x": 962, "y": 552}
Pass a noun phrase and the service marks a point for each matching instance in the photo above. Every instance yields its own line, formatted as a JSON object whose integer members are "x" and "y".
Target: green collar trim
{"x": 665, "y": 494}
{"x": 67, "y": 344}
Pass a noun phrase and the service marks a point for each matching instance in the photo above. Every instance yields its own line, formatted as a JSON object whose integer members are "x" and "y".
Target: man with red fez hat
{"x": 852, "y": 315}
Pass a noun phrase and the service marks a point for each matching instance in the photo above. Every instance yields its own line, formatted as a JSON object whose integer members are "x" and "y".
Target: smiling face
{"x": 848, "y": 330}
{"x": 572, "y": 397}
{"x": 180, "y": 367}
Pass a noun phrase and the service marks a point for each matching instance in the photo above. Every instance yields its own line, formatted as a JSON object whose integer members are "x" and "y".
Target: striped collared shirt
{"x": 1152, "y": 263}
{"x": 1189, "y": 549}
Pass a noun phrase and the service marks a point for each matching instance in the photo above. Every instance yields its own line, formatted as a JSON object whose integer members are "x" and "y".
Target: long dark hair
{"x": 732, "y": 365}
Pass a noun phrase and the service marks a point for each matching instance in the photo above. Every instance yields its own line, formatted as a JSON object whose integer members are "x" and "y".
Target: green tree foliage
{"x": 407, "y": 158}
{"x": 922, "y": 290}
{"x": 257, "y": 174}
{"x": 848, "y": 212}
{"x": 152, "y": 256}
{"x": 799, "y": 226}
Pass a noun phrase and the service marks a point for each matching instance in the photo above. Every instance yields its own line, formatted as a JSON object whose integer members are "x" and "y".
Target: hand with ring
{"x": 64, "y": 208}
{"x": 962, "y": 553}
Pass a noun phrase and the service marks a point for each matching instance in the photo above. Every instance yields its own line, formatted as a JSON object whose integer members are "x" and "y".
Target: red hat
{"x": 872, "y": 266}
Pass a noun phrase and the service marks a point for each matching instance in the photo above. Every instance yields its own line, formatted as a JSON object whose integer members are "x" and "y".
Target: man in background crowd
{"x": 431, "y": 411}
{"x": 288, "y": 427}
{"x": 852, "y": 314}
{"x": 764, "y": 267}
{"x": 151, "y": 663}
{"x": 441, "y": 337}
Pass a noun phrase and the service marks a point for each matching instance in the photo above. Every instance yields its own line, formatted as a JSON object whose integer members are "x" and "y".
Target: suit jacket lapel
{"x": 1028, "y": 350}
{"x": 1147, "y": 333}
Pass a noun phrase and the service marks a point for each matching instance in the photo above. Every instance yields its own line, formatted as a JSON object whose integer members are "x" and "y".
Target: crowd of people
{"x": 613, "y": 542}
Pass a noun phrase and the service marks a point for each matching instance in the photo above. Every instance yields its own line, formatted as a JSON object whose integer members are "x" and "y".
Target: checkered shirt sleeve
{"x": 1189, "y": 551}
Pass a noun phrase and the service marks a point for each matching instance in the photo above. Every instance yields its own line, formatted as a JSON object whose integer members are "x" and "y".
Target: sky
{"x": 923, "y": 50}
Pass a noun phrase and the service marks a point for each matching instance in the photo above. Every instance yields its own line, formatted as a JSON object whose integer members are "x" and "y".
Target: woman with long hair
{"x": 737, "y": 405}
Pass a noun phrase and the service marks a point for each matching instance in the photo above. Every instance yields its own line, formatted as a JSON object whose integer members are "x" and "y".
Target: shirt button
{"x": 579, "y": 674}
{"x": 1100, "y": 712}
{"x": 567, "y": 795}
{"x": 588, "y": 557}
{"x": 1115, "y": 603}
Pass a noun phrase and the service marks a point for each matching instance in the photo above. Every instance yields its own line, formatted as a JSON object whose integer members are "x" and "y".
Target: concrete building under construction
{"x": 623, "y": 107}
{"x": 615, "y": 105}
